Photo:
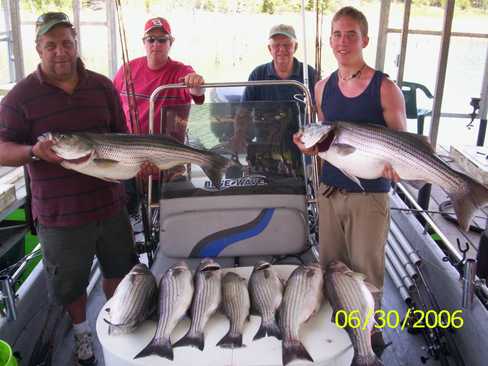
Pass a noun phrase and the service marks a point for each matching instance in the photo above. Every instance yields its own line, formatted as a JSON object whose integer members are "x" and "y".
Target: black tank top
{"x": 364, "y": 108}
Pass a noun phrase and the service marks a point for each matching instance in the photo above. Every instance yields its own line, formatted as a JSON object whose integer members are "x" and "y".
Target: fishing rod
{"x": 135, "y": 125}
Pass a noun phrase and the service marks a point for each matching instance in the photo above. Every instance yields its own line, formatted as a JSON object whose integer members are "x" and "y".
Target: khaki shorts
{"x": 68, "y": 254}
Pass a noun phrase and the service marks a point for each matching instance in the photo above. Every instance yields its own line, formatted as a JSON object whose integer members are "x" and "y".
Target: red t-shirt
{"x": 145, "y": 81}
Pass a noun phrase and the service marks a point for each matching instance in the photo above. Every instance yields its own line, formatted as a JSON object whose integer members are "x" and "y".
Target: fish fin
{"x": 370, "y": 360}
{"x": 196, "y": 340}
{"x": 231, "y": 341}
{"x": 270, "y": 329}
{"x": 417, "y": 184}
{"x": 344, "y": 149}
{"x": 154, "y": 348}
{"x": 294, "y": 350}
{"x": 422, "y": 141}
{"x": 214, "y": 168}
{"x": 353, "y": 178}
{"x": 465, "y": 204}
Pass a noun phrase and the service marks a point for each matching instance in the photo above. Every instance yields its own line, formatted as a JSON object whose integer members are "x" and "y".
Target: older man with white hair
{"x": 282, "y": 46}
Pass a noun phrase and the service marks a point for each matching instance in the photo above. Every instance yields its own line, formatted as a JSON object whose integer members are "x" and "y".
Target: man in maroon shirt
{"x": 77, "y": 216}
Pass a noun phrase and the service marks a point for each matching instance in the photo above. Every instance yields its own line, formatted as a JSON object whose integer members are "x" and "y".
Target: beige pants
{"x": 353, "y": 228}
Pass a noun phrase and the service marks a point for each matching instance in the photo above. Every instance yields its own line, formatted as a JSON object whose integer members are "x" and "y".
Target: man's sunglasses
{"x": 160, "y": 40}
{"x": 47, "y": 17}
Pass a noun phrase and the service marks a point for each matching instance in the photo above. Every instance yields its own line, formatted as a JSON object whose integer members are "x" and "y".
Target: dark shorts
{"x": 69, "y": 251}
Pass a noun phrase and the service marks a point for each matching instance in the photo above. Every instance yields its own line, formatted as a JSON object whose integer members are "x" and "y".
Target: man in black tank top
{"x": 354, "y": 224}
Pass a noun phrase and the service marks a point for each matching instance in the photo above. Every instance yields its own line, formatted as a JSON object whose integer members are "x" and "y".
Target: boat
{"x": 266, "y": 209}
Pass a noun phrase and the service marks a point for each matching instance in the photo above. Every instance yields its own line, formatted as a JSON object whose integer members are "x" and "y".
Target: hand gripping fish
{"x": 362, "y": 150}
{"x": 114, "y": 157}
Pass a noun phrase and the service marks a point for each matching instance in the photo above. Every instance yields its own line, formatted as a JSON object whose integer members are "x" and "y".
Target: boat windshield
{"x": 255, "y": 136}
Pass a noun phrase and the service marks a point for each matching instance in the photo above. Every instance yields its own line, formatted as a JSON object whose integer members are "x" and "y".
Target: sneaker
{"x": 84, "y": 350}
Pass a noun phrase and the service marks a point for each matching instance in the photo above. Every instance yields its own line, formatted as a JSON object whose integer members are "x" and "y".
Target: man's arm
{"x": 393, "y": 105}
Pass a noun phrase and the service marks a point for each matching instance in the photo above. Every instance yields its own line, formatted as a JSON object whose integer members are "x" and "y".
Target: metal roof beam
{"x": 441, "y": 71}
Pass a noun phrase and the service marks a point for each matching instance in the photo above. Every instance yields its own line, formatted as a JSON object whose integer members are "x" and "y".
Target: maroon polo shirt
{"x": 62, "y": 197}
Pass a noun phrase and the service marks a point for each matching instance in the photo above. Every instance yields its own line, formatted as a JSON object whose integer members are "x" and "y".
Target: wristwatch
{"x": 33, "y": 156}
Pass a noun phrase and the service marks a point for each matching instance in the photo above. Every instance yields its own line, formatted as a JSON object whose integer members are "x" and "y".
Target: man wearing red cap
{"x": 154, "y": 70}
{"x": 172, "y": 106}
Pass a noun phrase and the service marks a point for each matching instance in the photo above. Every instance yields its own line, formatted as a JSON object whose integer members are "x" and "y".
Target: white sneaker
{"x": 84, "y": 350}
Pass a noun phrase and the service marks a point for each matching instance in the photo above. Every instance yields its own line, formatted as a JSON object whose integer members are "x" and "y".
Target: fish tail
{"x": 466, "y": 204}
{"x": 268, "y": 329}
{"x": 195, "y": 340}
{"x": 370, "y": 360}
{"x": 231, "y": 341}
{"x": 294, "y": 350}
{"x": 155, "y": 348}
{"x": 214, "y": 168}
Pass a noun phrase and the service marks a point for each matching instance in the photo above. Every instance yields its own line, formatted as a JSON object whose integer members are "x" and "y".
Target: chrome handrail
{"x": 308, "y": 120}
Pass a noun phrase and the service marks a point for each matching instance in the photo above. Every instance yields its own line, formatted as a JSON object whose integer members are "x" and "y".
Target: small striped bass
{"x": 206, "y": 301}
{"x": 236, "y": 305}
{"x": 361, "y": 150}
{"x": 114, "y": 157}
{"x": 175, "y": 294}
{"x": 266, "y": 290}
{"x": 134, "y": 300}
{"x": 347, "y": 291}
{"x": 301, "y": 300}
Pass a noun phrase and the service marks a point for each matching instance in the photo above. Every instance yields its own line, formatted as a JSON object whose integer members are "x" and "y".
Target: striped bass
{"x": 114, "y": 157}
{"x": 301, "y": 300}
{"x": 236, "y": 305}
{"x": 175, "y": 294}
{"x": 206, "y": 301}
{"x": 347, "y": 291}
{"x": 361, "y": 150}
{"x": 133, "y": 301}
{"x": 266, "y": 290}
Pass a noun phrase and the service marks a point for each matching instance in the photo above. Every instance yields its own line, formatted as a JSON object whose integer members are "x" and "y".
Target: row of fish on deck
{"x": 282, "y": 306}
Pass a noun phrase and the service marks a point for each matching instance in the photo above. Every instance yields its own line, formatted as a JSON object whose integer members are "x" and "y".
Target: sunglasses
{"x": 50, "y": 16}
{"x": 160, "y": 40}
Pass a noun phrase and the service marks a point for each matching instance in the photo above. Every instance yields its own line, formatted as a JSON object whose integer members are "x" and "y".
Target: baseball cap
{"x": 156, "y": 23}
{"x": 283, "y": 29}
{"x": 47, "y": 21}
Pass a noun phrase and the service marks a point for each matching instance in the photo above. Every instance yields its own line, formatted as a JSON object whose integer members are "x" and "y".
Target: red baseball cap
{"x": 155, "y": 23}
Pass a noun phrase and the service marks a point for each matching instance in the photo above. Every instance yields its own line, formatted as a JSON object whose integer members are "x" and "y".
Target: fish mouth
{"x": 326, "y": 141}
{"x": 208, "y": 265}
{"x": 261, "y": 265}
{"x": 81, "y": 160}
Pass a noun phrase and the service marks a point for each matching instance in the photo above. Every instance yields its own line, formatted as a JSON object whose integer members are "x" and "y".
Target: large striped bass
{"x": 266, "y": 290}
{"x": 301, "y": 300}
{"x": 114, "y": 157}
{"x": 361, "y": 150}
{"x": 133, "y": 302}
{"x": 206, "y": 301}
{"x": 236, "y": 305}
{"x": 347, "y": 291}
{"x": 175, "y": 294}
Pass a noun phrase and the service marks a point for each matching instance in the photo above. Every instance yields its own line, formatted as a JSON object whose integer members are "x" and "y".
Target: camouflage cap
{"x": 47, "y": 21}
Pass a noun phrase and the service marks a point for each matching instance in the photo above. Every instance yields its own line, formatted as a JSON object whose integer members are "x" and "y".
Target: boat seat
{"x": 409, "y": 91}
